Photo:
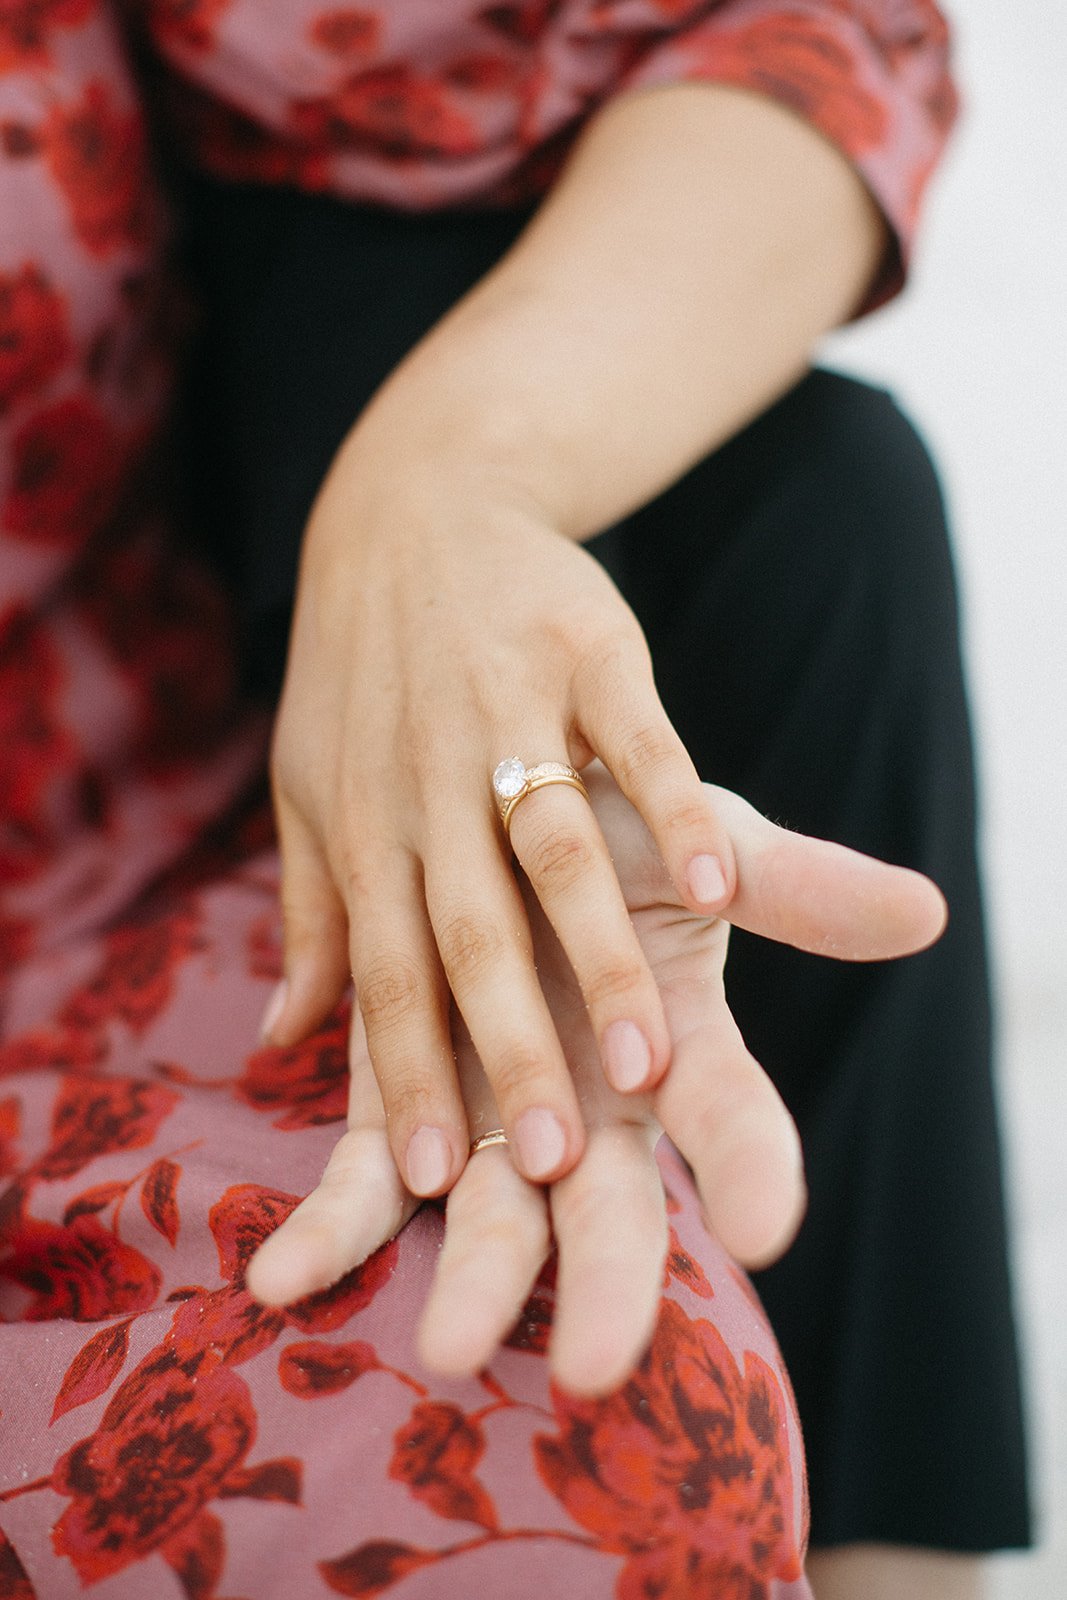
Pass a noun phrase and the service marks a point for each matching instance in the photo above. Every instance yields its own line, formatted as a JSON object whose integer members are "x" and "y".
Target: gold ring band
{"x": 485, "y": 1140}
{"x": 513, "y": 781}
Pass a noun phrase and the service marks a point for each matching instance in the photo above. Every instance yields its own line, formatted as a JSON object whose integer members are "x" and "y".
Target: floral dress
{"x": 159, "y": 1431}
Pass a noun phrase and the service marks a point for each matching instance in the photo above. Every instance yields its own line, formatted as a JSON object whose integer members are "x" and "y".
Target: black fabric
{"x": 797, "y": 592}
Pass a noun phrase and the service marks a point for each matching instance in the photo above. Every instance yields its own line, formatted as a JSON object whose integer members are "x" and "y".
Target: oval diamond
{"x": 509, "y": 779}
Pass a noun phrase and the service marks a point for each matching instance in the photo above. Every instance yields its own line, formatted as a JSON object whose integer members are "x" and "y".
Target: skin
{"x": 445, "y": 607}
{"x": 608, "y": 1214}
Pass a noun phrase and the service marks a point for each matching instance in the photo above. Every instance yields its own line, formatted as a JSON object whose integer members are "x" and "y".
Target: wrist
{"x": 417, "y": 457}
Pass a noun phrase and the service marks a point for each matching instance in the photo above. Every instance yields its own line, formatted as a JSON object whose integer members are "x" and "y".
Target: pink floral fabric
{"x": 427, "y": 103}
{"x": 159, "y": 1431}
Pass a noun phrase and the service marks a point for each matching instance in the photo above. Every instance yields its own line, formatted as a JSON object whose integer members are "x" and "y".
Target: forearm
{"x": 674, "y": 282}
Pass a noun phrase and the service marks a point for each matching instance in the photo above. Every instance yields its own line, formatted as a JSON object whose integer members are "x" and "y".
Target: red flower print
{"x": 66, "y": 474}
{"x": 236, "y": 147}
{"x": 309, "y": 1080}
{"x": 9, "y": 1131}
{"x": 435, "y": 1454}
{"x": 34, "y": 341}
{"x": 16, "y": 935}
{"x": 96, "y": 1116}
{"x": 365, "y": 1572}
{"x": 263, "y": 945}
{"x": 50, "y": 1049}
{"x": 171, "y": 646}
{"x": 802, "y": 62}
{"x": 332, "y": 1308}
{"x": 94, "y": 1369}
{"x": 684, "y": 1268}
{"x": 392, "y": 112}
{"x": 14, "y": 1579}
{"x": 159, "y": 1198}
{"x": 243, "y": 1218}
{"x": 684, "y": 1471}
{"x": 312, "y": 1369}
{"x": 36, "y": 747}
{"x": 95, "y": 150}
{"x": 136, "y": 978}
{"x": 227, "y": 1324}
{"x": 348, "y": 33}
{"x": 665, "y": 13}
{"x": 185, "y": 24}
{"x": 24, "y": 29}
{"x": 532, "y": 1329}
{"x": 521, "y": 21}
{"x": 78, "y": 1270}
{"x": 174, "y": 1436}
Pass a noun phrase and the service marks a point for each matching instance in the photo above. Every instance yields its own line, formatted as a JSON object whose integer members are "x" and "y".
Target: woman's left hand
{"x": 608, "y": 1215}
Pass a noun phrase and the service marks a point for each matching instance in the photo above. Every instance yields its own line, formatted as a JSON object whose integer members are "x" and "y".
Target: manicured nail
{"x": 627, "y": 1056}
{"x": 707, "y": 880}
{"x": 428, "y": 1161}
{"x": 275, "y": 1007}
{"x": 541, "y": 1142}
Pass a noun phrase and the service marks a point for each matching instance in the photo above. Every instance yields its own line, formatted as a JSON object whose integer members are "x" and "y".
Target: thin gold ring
{"x": 483, "y": 1142}
{"x": 513, "y": 781}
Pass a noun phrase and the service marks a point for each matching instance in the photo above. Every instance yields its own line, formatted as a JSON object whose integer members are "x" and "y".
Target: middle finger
{"x": 560, "y": 847}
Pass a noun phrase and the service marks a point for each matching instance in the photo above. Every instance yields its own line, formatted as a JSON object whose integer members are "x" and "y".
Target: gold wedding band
{"x": 483, "y": 1142}
{"x": 513, "y": 781}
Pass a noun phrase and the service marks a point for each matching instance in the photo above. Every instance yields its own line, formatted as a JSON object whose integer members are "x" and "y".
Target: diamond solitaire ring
{"x": 513, "y": 781}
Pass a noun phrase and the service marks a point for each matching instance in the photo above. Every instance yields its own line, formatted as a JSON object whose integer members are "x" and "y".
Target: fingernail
{"x": 627, "y": 1056}
{"x": 275, "y": 1007}
{"x": 428, "y": 1161}
{"x": 541, "y": 1142}
{"x": 707, "y": 880}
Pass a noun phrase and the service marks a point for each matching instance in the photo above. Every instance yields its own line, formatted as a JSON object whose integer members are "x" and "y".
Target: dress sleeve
{"x": 873, "y": 76}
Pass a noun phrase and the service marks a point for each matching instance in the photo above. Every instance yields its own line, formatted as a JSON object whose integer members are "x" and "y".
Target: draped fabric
{"x": 157, "y": 1428}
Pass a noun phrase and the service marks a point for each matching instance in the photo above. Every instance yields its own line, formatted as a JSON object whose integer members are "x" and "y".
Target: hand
{"x": 608, "y": 1215}
{"x": 438, "y": 630}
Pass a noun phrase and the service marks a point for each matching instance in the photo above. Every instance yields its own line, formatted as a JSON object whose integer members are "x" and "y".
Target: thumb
{"x": 824, "y": 897}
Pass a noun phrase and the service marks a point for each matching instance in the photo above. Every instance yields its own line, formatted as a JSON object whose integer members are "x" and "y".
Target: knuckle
{"x": 468, "y": 943}
{"x": 558, "y": 860}
{"x": 612, "y": 979}
{"x": 408, "y": 1099}
{"x": 586, "y": 1206}
{"x": 505, "y": 1239}
{"x": 517, "y": 1076}
{"x": 687, "y": 816}
{"x": 643, "y": 754}
{"x": 389, "y": 993}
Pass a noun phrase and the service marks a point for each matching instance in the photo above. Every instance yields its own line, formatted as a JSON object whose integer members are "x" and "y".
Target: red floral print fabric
{"x": 159, "y": 1431}
{"x": 462, "y": 102}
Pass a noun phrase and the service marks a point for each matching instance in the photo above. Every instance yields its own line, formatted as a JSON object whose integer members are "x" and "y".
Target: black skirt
{"x": 796, "y": 589}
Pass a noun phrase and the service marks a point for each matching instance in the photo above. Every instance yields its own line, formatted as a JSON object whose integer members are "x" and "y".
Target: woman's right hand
{"x": 608, "y": 1215}
{"x": 442, "y": 623}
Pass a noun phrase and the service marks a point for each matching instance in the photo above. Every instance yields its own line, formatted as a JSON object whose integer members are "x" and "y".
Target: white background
{"x": 977, "y": 353}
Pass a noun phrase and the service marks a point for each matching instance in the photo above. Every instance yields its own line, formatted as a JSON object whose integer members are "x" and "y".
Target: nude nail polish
{"x": 540, "y": 1141}
{"x": 427, "y": 1160}
{"x": 707, "y": 880}
{"x": 627, "y": 1056}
